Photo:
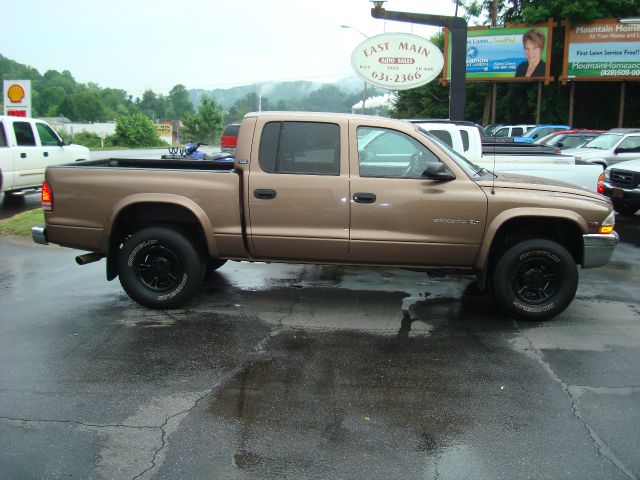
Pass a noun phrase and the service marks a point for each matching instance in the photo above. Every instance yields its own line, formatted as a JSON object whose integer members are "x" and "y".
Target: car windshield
{"x": 548, "y": 139}
{"x": 531, "y": 132}
{"x": 604, "y": 142}
{"x": 470, "y": 168}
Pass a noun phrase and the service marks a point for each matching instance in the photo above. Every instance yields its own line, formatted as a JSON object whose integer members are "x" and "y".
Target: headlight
{"x": 608, "y": 223}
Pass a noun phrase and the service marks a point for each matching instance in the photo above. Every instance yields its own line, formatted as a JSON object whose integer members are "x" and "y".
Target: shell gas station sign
{"x": 17, "y": 98}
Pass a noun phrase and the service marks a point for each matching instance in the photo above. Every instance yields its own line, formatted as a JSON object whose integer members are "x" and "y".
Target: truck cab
{"x": 27, "y": 147}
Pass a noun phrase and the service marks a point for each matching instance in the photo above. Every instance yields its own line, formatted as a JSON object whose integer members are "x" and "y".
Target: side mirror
{"x": 560, "y": 144}
{"x": 619, "y": 150}
{"x": 438, "y": 171}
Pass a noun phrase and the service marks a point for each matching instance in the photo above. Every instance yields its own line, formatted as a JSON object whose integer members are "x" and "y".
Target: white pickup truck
{"x": 466, "y": 140}
{"x": 27, "y": 147}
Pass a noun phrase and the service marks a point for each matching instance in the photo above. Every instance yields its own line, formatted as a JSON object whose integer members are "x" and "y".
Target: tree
{"x": 205, "y": 125}
{"x": 180, "y": 103}
{"x": 136, "y": 130}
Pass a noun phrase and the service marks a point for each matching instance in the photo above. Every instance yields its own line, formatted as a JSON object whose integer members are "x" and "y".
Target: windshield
{"x": 604, "y": 142}
{"x": 531, "y": 132}
{"x": 470, "y": 168}
{"x": 548, "y": 139}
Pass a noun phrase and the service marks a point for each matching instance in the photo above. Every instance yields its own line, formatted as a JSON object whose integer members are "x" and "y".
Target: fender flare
{"x": 164, "y": 198}
{"x": 507, "y": 215}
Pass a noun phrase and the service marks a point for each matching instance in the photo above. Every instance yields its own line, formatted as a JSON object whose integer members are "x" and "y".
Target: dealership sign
{"x": 397, "y": 61}
{"x": 602, "y": 50}
{"x": 17, "y": 98}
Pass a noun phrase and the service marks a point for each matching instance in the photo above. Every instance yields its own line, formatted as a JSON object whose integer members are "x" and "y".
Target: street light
{"x": 364, "y": 94}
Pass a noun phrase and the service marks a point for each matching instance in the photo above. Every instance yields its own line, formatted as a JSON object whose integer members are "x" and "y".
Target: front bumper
{"x": 598, "y": 248}
{"x": 39, "y": 234}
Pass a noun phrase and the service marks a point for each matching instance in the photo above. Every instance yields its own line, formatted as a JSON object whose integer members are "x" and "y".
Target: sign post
{"x": 17, "y": 98}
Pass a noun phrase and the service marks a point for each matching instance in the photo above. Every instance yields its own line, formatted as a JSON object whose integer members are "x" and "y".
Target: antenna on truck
{"x": 493, "y": 181}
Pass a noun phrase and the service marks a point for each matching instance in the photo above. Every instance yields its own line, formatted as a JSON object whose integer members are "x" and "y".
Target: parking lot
{"x": 298, "y": 371}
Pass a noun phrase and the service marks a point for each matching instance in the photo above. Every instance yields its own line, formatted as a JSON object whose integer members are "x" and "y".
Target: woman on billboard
{"x": 533, "y": 41}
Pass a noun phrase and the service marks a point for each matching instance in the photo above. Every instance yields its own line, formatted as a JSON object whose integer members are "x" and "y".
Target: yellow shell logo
{"x": 15, "y": 93}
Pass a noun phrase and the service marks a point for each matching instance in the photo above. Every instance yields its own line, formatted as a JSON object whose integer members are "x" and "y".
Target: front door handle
{"x": 46, "y": 154}
{"x": 264, "y": 194}
{"x": 364, "y": 197}
{"x": 23, "y": 155}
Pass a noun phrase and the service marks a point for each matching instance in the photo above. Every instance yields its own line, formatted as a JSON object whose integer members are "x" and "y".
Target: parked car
{"x": 621, "y": 183}
{"x": 615, "y": 146}
{"x": 564, "y": 139}
{"x": 539, "y": 132}
{"x": 511, "y": 130}
{"x": 229, "y": 138}
{"x": 27, "y": 147}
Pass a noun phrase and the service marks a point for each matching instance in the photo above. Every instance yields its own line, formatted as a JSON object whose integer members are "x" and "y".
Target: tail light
{"x": 600, "y": 187}
{"x": 229, "y": 141}
{"x": 47, "y": 197}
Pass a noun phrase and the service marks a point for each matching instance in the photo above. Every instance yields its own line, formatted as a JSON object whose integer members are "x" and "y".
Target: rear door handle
{"x": 364, "y": 197}
{"x": 46, "y": 154}
{"x": 23, "y": 155}
{"x": 264, "y": 194}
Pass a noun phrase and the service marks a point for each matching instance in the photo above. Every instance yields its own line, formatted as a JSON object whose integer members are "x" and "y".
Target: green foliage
{"x": 136, "y": 131}
{"x": 180, "y": 103}
{"x": 88, "y": 139}
{"x": 204, "y": 126}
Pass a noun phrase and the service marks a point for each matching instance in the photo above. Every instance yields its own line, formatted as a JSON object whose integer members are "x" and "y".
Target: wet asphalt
{"x": 295, "y": 371}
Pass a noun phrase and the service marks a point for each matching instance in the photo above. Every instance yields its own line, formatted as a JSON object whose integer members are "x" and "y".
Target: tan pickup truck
{"x": 329, "y": 189}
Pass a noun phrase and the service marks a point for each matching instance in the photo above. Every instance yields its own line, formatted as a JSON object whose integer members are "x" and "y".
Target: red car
{"x": 229, "y": 138}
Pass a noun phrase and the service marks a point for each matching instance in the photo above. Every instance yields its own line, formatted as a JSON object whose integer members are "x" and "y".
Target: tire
{"x": 159, "y": 268}
{"x": 625, "y": 208}
{"x": 535, "y": 280}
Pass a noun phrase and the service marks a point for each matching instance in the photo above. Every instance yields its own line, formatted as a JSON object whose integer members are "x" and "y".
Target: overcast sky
{"x": 156, "y": 44}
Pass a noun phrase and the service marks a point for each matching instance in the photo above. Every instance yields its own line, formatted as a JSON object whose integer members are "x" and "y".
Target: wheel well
{"x": 143, "y": 215}
{"x": 559, "y": 230}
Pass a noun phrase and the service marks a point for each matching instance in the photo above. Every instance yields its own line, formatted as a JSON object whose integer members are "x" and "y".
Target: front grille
{"x": 624, "y": 178}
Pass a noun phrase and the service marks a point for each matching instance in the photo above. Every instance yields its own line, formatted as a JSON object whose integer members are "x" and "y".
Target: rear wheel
{"x": 159, "y": 268}
{"x": 535, "y": 279}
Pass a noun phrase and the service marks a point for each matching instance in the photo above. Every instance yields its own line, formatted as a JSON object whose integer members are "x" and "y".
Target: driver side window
{"x": 389, "y": 153}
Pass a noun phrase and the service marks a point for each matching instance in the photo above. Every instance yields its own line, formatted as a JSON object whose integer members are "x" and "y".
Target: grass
{"x": 21, "y": 224}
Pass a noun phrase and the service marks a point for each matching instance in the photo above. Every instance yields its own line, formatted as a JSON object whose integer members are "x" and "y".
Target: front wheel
{"x": 535, "y": 280}
{"x": 159, "y": 268}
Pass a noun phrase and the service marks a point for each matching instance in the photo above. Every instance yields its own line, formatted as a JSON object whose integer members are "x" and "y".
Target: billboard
{"x": 512, "y": 53}
{"x": 397, "y": 61}
{"x": 604, "y": 50}
{"x": 17, "y": 98}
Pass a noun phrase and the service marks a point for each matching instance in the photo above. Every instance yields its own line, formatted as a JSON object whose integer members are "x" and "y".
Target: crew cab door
{"x": 399, "y": 217}
{"x": 52, "y": 149}
{"x": 298, "y": 190}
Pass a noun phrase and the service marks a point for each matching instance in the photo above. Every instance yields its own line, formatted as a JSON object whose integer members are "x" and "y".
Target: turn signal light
{"x": 46, "y": 198}
{"x": 605, "y": 229}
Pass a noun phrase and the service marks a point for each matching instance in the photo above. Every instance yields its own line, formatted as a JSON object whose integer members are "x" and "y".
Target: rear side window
{"x": 24, "y": 134}
{"x": 231, "y": 130}
{"x": 444, "y": 136}
{"x": 48, "y": 137}
{"x": 517, "y": 132}
{"x": 311, "y": 148}
{"x": 465, "y": 140}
